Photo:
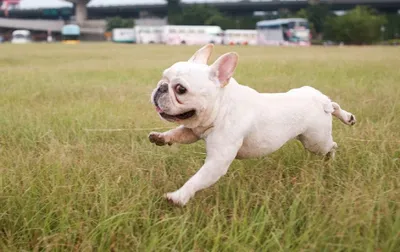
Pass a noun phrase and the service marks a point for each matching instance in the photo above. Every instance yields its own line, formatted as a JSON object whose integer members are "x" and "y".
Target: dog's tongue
{"x": 158, "y": 110}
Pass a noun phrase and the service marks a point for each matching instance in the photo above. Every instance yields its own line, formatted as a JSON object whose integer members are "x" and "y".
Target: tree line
{"x": 361, "y": 25}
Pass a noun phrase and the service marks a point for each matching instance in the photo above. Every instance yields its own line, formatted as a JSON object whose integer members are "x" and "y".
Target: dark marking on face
{"x": 163, "y": 88}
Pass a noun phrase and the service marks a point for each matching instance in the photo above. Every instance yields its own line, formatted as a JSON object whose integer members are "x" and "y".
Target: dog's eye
{"x": 179, "y": 89}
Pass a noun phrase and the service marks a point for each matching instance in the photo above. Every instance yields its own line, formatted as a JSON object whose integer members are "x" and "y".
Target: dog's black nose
{"x": 163, "y": 88}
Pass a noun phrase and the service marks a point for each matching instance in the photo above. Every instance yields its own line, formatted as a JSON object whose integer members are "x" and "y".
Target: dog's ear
{"x": 224, "y": 67}
{"x": 202, "y": 55}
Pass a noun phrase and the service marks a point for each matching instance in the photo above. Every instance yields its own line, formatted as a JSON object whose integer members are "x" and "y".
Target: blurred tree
{"x": 316, "y": 14}
{"x": 361, "y": 25}
{"x": 197, "y": 14}
{"x": 249, "y": 22}
{"x": 392, "y": 28}
{"x": 174, "y": 10}
{"x": 222, "y": 21}
{"x": 201, "y": 14}
{"x": 118, "y": 22}
{"x": 284, "y": 13}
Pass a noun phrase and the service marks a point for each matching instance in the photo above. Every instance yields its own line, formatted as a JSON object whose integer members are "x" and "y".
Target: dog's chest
{"x": 202, "y": 132}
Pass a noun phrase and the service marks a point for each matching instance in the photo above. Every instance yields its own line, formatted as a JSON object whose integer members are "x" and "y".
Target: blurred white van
{"x": 123, "y": 35}
{"x": 21, "y": 37}
{"x": 192, "y": 34}
{"x": 240, "y": 37}
{"x": 147, "y": 34}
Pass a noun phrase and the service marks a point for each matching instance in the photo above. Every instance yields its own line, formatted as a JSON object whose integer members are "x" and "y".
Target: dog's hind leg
{"x": 346, "y": 117}
{"x": 319, "y": 142}
{"x": 331, "y": 153}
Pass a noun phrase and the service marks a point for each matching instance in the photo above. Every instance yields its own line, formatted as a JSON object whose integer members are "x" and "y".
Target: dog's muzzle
{"x": 162, "y": 89}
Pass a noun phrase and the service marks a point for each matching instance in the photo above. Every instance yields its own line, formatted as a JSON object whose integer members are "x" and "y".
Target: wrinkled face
{"x": 184, "y": 92}
{"x": 188, "y": 91}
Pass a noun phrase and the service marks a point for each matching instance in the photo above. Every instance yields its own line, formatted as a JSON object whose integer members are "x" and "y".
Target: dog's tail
{"x": 344, "y": 116}
{"x": 328, "y": 105}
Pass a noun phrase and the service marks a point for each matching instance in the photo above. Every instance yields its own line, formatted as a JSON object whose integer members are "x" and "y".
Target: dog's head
{"x": 188, "y": 91}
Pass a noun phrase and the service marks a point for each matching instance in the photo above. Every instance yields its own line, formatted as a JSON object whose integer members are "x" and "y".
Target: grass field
{"x": 67, "y": 187}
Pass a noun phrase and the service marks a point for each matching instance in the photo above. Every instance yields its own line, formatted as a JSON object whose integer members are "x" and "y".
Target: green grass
{"x": 66, "y": 188}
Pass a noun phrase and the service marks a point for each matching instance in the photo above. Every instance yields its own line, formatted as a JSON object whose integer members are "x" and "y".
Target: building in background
{"x": 7, "y": 5}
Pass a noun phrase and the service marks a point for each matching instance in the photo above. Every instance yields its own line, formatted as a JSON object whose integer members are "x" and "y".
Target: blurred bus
{"x": 192, "y": 34}
{"x": 240, "y": 37}
{"x": 21, "y": 37}
{"x": 146, "y": 34}
{"x": 286, "y": 31}
{"x": 123, "y": 35}
{"x": 70, "y": 34}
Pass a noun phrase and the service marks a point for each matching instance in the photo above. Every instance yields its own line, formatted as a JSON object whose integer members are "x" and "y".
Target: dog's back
{"x": 303, "y": 113}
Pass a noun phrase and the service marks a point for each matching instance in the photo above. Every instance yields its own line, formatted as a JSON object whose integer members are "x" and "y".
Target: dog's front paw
{"x": 158, "y": 139}
{"x": 178, "y": 197}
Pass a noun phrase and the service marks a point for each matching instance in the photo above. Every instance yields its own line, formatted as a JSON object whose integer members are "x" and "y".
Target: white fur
{"x": 236, "y": 121}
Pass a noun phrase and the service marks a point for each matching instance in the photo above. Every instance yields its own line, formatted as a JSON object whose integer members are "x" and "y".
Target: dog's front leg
{"x": 180, "y": 135}
{"x": 219, "y": 157}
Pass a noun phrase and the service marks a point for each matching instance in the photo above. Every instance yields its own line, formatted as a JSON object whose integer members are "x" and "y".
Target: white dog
{"x": 236, "y": 121}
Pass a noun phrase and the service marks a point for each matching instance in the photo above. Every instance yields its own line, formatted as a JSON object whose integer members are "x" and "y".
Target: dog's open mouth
{"x": 182, "y": 116}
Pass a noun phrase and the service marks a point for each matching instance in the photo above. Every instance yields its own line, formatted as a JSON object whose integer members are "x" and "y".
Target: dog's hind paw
{"x": 352, "y": 120}
{"x": 178, "y": 197}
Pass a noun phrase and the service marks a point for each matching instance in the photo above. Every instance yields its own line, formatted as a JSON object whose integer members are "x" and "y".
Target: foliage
{"x": 316, "y": 14}
{"x": 197, "y": 14}
{"x": 392, "y": 27}
{"x": 118, "y": 22}
{"x": 248, "y": 22}
{"x": 391, "y": 42}
{"x": 359, "y": 26}
{"x": 202, "y": 14}
{"x": 174, "y": 11}
{"x": 222, "y": 21}
{"x": 284, "y": 13}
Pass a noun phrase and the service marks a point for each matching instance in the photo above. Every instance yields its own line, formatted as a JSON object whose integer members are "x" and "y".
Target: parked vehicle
{"x": 192, "y": 34}
{"x": 123, "y": 35}
{"x": 148, "y": 34}
{"x": 286, "y": 31}
{"x": 71, "y": 34}
{"x": 21, "y": 37}
{"x": 240, "y": 37}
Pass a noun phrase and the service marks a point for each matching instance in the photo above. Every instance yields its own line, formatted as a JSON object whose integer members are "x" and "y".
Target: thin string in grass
{"x": 116, "y": 130}
{"x": 372, "y": 140}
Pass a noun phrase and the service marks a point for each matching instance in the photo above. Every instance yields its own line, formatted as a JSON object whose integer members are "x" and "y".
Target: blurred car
{"x": 21, "y": 37}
